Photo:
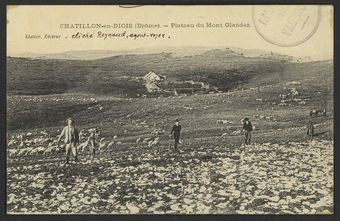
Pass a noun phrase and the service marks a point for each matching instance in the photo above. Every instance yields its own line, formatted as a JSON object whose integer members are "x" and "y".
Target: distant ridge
{"x": 175, "y": 51}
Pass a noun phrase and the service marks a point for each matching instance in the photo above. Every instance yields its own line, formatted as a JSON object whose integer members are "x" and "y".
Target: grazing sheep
{"x": 33, "y": 152}
{"x": 50, "y": 150}
{"x": 224, "y": 135}
{"x": 12, "y": 152}
{"x": 24, "y": 152}
{"x": 81, "y": 134}
{"x": 236, "y": 132}
{"x": 21, "y": 145}
{"x": 20, "y": 137}
{"x": 54, "y": 142}
{"x": 110, "y": 145}
{"x": 146, "y": 140}
{"x": 156, "y": 132}
{"x": 11, "y": 142}
{"x": 154, "y": 142}
{"x": 81, "y": 147}
{"x": 60, "y": 149}
{"x": 102, "y": 143}
{"x": 44, "y": 133}
{"x": 46, "y": 140}
{"x": 188, "y": 108}
{"x": 222, "y": 121}
{"x": 283, "y": 96}
{"x": 150, "y": 143}
{"x": 293, "y": 83}
{"x": 138, "y": 140}
{"x": 37, "y": 150}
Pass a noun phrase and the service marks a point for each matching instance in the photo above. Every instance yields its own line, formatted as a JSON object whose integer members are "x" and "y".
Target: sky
{"x": 41, "y": 20}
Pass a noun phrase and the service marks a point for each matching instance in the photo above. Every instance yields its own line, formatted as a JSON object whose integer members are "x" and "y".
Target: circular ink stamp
{"x": 286, "y": 25}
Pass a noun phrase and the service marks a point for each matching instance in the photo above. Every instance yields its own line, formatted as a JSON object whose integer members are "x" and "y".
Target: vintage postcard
{"x": 170, "y": 109}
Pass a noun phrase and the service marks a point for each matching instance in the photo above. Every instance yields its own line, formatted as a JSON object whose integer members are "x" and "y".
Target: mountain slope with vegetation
{"x": 221, "y": 69}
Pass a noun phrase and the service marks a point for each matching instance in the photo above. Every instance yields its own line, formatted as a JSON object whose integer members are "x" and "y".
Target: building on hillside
{"x": 152, "y": 87}
{"x": 152, "y": 77}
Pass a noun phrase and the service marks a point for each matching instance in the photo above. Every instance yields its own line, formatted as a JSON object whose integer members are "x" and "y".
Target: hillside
{"x": 221, "y": 69}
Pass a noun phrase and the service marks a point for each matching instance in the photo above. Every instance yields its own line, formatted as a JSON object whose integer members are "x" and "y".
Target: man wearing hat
{"x": 310, "y": 129}
{"x": 71, "y": 139}
{"x": 247, "y": 128}
{"x": 176, "y": 129}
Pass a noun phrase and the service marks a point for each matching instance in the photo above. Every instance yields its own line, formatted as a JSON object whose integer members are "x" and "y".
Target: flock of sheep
{"x": 30, "y": 144}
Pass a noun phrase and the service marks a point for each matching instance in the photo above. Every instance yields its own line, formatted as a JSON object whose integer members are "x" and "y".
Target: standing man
{"x": 247, "y": 129}
{"x": 310, "y": 129}
{"x": 92, "y": 142}
{"x": 71, "y": 135}
{"x": 176, "y": 129}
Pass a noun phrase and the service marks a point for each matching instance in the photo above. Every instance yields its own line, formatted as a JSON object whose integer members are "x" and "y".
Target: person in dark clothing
{"x": 247, "y": 128}
{"x": 92, "y": 142}
{"x": 310, "y": 129}
{"x": 176, "y": 130}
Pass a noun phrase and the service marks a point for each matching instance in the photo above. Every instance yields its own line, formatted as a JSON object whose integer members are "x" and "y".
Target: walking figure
{"x": 71, "y": 139}
{"x": 92, "y": 142}
{"x": 247, "y": 128}
{"x": 176, "y": 129}
{"x": 310, "y": 129}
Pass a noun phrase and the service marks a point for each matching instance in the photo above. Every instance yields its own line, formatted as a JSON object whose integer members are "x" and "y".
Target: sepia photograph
{"x": 200, "y": 109}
